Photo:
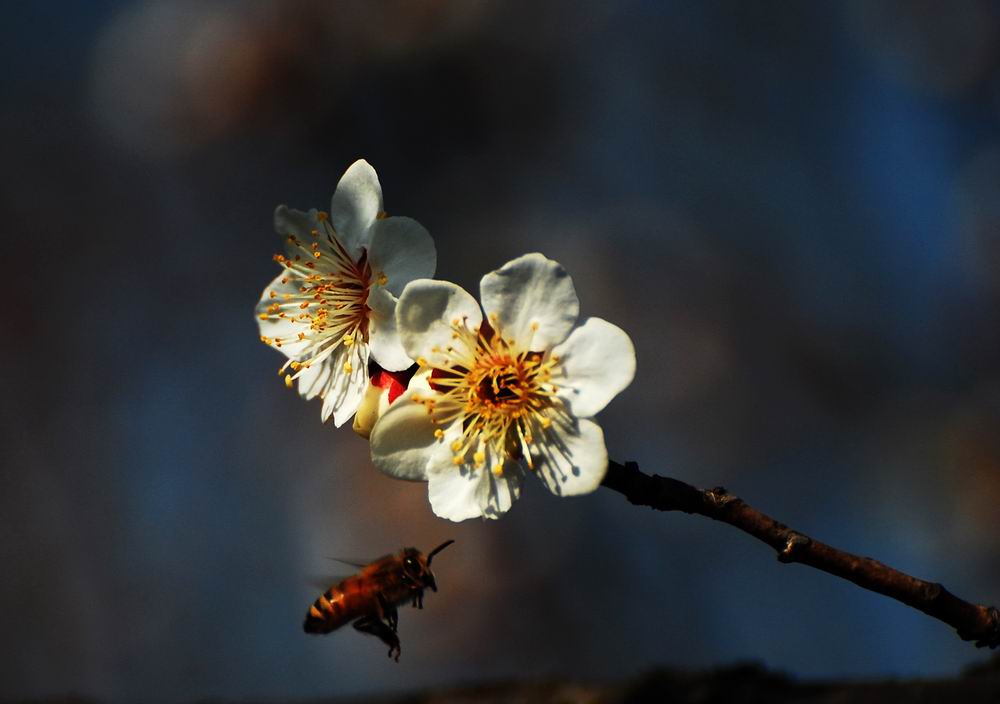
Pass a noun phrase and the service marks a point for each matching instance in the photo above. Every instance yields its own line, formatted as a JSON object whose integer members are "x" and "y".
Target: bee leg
{"x": 376, "y": 627}
{"x": 392, "y": 618}
{"x": 388, "y": 612}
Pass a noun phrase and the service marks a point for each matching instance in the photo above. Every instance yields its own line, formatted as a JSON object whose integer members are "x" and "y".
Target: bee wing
{"x": 322, "y": 582}
{"x": 351, "y": 562}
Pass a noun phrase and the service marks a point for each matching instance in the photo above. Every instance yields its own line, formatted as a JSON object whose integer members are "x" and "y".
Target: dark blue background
{"x": 791, "y": 207}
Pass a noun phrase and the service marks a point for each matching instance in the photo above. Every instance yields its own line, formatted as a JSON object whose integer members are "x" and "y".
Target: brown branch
{"x": 972, "y": 621}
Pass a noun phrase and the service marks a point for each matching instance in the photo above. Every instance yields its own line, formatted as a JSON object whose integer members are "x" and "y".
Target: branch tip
{"x": 974, "y": 622}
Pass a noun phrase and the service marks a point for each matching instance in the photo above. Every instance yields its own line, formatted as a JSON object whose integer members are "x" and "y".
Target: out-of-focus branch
{"x": 973, "y": 622}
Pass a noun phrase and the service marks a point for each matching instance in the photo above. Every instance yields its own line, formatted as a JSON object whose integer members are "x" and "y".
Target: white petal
{"x": 403, "y": 441}
{"x": 426, "y": 310}
{"x": 402, "y": 250}
{"x": 340, "y": 390}
{"x": 288, "y": 221}
{"x": 459, "y": 492}
{"x": 596, "y": 363}
{"x": 355, "y": 205}
{"x": 315, "y": 380}
{"x": 527, "y": 292}
{"x": 285, "y": 329}
{"x": 386, "y": 345}
{"x": 454, "y": 494}
{"x": 344, "y": 395}
{"x": 570, "y": 457}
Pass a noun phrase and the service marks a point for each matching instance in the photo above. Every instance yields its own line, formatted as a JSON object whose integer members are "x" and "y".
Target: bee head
{"x": 417, "y": 566}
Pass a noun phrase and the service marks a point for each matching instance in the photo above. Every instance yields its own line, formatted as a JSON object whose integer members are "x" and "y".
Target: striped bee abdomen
{"x": 329, "y": 612}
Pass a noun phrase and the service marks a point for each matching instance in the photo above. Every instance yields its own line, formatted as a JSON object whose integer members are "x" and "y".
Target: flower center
{"x": 499, "y": 389}
{"x": 500, "y": 384}
{"x": 328, "y": 302}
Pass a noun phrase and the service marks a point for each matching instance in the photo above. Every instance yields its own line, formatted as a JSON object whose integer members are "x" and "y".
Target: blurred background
{"x": 793, "y": 209}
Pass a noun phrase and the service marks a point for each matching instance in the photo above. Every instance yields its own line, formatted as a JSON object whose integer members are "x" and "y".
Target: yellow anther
{"x": 456, "y": 445}
{"x": 272, "y": 294}
{"x": 421, "y": 362}
{"x": 546, "y": 422}
{"x": 348, "y": 368}
{"x": 382, "y": 279}
{"x": 302, "y": 336}
{"x": 288, "y": 380}
{"x": 534, "y": 325}
{"x": 497, "y": 469}
{"x": 457, "y": 460}
{"x": 295, "y": 365}
{"x": 479, "y": 458}
{"x": 262, "y": 316}
{"x": 317, "y": 254}
{"x": 348, "y": 339}
{"x": 439, "y": 434}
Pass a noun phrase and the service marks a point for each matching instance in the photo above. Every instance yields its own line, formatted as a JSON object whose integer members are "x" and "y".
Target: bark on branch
{"x": 973, "y": 622}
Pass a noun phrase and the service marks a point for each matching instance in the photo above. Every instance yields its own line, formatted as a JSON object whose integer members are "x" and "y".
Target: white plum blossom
{"x": 332, "y": 308}
{"x": 503, "y": 397}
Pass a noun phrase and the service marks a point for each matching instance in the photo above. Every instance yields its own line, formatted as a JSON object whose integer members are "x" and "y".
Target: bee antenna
{"x": 435, "y": 551}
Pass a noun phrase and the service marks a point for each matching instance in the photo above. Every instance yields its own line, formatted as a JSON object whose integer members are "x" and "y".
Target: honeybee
{"x": 370, "y": 597}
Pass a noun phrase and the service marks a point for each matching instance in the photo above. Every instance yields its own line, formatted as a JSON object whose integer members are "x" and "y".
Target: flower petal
{"x": 355, "y": 205}
{"x": 426, "y": 310}
{"x": 531, "y": 290}
{"x": 596, "y": 363}
{"x": 571, "y": 457}
{"x": 344, "y": 395}
{"x": 384, "y": 339}
{"x": 288, "y": 221}
{"x": 314, "y": 381}
{"x": 341, "y": 390}
{"x": 402, "y": 250}
{"x": 454, "y": 494}
{"x": 402, "y": 441}
{"x": 274, "y": 328}
{"x": 459, "y": 492}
